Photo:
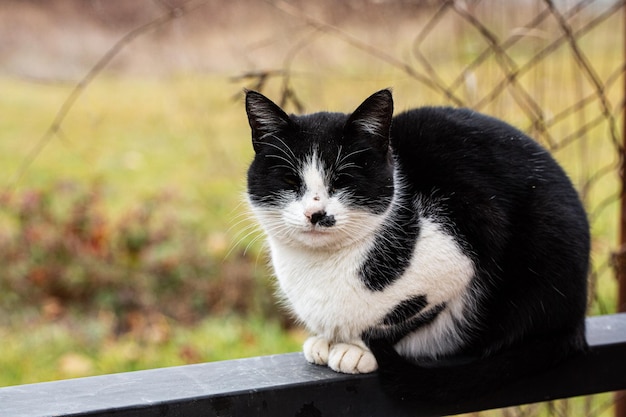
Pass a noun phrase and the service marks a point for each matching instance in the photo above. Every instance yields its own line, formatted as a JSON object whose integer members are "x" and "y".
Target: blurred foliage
{"x": 59, "y": 247}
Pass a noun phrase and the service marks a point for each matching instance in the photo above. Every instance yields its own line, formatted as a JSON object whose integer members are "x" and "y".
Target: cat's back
{"x": 457, "y": 144}
{"x": 446, "y": 151}
{"x": 448, "y": 123}
{"x": 481, "y": 167}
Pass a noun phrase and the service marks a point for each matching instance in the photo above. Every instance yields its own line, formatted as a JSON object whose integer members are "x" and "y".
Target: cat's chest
{"x": 327, "y": 291}
{"x": 319, "y": 278}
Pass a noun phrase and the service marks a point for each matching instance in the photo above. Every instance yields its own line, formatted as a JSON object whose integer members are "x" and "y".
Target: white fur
{"x": 316, "y": 195}
{"x": 318, "y": 274}
{"x": 372, "y": 126}
{"x": 349, "y": 358}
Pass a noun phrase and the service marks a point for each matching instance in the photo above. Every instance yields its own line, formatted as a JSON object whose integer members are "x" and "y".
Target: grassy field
{"x": 140, "y": 135}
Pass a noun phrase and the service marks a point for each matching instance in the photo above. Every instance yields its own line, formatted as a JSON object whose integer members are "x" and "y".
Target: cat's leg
{"x": 351, "y": 358}
{"x": 316, "y": 350}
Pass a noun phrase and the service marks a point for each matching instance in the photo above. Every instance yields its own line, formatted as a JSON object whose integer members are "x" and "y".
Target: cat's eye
{"x": 291, "y": 179}
{"x": 341, "y": 181}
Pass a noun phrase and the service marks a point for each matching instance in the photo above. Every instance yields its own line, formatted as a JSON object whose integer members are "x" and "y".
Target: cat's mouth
{"x": 316, "y": 235}
{"x": 316, "y": 238}
{"x": 317, "y": 231}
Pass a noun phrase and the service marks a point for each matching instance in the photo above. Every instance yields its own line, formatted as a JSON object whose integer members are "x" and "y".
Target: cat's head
{"x": 322, "y": 180}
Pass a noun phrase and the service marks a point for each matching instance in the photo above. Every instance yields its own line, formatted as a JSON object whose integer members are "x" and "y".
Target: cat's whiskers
{"x": 249, "y": 244}
{"x": 289, "y": 165}
{"x": 243, "y": 226}
{"x": 275, "y": 225}
{"x": 236, "y": 220}
{"x": 340, "y": 163}
{"x": 339, "y": 174}
{"x": 253, "y": 241}
{"x": 284, "y": 149}
{"x": 260, "y": 235}
{"x": 243, "y": 234}
{"x": 337, "y": 159}
{"x": 356, "y": 226}
{"x": 241, "y": 218}
{"x": 358, "y": 151}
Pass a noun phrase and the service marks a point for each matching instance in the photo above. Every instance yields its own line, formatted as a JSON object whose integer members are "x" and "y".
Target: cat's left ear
{"x": 372, "y": 119}
{"x": 265, "y": 117}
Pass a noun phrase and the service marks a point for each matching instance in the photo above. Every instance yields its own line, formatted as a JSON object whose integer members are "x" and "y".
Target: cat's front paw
{"x": 316, "y": 350}
{"x": 351, "y": 359}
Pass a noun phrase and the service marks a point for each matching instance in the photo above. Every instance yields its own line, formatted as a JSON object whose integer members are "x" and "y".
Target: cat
{"x": 442, "y": 247}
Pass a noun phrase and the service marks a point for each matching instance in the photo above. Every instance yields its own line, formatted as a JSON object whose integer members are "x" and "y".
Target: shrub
{"x": 61, "y": 244}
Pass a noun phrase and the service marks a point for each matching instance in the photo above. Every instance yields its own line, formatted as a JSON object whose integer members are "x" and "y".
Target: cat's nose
{"x": 322, "y": 219}
{"x": 317, "y": 216}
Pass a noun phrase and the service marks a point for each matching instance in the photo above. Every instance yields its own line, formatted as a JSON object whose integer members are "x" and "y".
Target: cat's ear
{"x": 265, "y": 117}
{"x": 372, "y": 119}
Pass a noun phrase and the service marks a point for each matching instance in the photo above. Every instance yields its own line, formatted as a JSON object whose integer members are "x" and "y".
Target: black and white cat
{"x": 442, "y": 246}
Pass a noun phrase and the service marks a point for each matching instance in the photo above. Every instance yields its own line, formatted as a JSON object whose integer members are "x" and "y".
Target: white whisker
{"x": 289, "y": 165}
{"x": 358, "y": 151}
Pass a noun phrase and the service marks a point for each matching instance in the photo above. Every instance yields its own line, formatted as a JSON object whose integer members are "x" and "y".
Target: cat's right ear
{"x": 372, "y": 119}
{"x": 265, "y": 117}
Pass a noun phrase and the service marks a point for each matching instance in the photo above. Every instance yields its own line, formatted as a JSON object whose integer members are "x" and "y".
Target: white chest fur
{"x": 326, "y": 292}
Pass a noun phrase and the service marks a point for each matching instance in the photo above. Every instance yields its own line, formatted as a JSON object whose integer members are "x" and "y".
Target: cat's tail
{"x": 463, "y": 378}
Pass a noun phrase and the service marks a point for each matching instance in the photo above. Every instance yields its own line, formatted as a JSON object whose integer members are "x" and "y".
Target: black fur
{"x": 406, "y": 310}
{"x": 393, "y": 249}
{"x": 400, "y": 322}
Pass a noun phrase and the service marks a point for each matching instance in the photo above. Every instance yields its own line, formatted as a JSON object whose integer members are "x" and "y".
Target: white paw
{"x": 316, "y": 350}
{"x": 351, "y": 359}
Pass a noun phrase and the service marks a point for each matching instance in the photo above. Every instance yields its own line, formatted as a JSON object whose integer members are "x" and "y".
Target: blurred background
{"x": 125, "y": 243}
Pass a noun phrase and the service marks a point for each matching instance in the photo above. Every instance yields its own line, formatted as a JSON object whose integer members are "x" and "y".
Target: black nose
{"x": 322, "y": 219}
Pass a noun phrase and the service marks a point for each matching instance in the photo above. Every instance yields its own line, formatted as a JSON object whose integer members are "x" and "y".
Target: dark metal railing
{"x": 285, "y": 385}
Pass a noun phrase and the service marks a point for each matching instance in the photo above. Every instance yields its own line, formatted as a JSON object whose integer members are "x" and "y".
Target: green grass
{"x": 139, "y": 136}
